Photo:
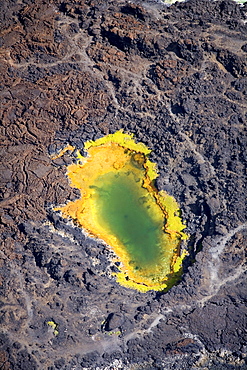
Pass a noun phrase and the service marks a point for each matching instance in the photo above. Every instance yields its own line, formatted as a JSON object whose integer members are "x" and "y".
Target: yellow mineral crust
{"x": 120, "y": 205}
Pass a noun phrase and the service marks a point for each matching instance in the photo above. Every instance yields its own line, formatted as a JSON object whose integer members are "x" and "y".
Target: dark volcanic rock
{"x": 175, "y": 76}
{"x": 113, "y": 321}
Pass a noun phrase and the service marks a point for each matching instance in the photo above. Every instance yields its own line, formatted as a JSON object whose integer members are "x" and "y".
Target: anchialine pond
{"x": 120, "y": 205}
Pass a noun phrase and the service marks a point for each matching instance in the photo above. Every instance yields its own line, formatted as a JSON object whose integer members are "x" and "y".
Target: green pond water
{"x": 123, "y": 208}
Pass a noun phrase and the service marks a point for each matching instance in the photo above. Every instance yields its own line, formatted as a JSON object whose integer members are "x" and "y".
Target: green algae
{"x": 123, "y": 210}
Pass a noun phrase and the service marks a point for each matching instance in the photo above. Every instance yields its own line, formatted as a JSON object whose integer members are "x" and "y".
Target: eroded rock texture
{"x": 177, "y": 78}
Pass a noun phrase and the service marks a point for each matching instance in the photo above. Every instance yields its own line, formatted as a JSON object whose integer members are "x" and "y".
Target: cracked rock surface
{"x": 176, "y": 77}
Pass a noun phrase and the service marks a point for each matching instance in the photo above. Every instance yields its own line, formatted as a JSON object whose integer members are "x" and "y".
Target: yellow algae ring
{"x": 120, "y": 205}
